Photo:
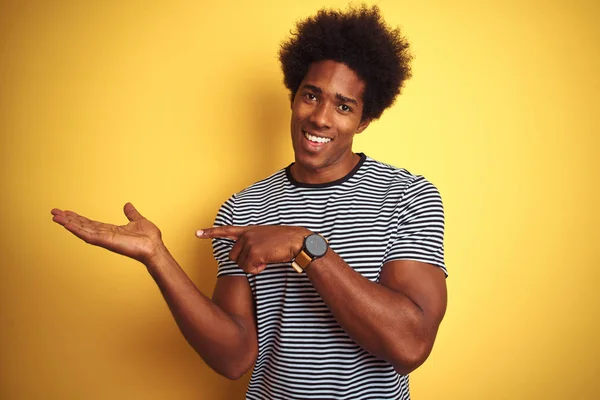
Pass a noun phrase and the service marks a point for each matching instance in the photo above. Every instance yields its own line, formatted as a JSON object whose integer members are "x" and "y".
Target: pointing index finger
{"x": 225, "y": 232}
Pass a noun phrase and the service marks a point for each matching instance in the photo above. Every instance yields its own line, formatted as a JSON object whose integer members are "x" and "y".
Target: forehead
{"x": 335, "y": 78}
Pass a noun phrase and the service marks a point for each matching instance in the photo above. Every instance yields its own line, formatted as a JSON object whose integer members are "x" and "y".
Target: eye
{"x": 345, "y": 108}
{"x": 310, "y": 96}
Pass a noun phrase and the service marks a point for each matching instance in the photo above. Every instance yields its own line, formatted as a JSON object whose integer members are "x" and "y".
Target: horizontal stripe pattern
{"x": 375, "y": 215}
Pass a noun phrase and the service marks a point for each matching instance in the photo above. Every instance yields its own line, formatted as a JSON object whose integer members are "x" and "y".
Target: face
{"x": 326, "y": 114}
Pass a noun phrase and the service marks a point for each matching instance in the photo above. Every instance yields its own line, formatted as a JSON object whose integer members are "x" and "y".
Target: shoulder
{"x": 396, "y": 179}
{"x": 271, "y": 183}
{"x": 254, "y": 193}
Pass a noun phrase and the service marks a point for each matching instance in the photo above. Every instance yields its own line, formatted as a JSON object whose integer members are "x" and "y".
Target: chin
{"x": 313, "y": 162}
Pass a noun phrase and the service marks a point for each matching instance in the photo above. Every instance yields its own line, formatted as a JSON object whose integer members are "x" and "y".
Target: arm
{"x": 397, "y": 319}
{"x": 222, "y": 331}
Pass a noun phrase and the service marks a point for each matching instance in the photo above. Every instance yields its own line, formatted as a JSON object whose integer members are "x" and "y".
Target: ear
{"x": 363, "y": 125}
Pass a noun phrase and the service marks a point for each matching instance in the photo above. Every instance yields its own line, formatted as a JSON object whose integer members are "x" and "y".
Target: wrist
{"x": 159, "y": 256}
{"x": 300, "y": 244}
{"x": 314, "y": 246}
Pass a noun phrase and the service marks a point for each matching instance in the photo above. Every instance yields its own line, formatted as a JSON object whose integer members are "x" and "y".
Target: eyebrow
{"x": 338, "y": 96}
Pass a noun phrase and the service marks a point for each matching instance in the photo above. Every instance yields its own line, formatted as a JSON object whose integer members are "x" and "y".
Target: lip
{"x": 312, "y": 147}
{"x": 314, "y": 134}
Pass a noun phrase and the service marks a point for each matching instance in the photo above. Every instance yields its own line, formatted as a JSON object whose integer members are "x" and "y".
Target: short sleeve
{"x": 222, "y": 247}
{"x": 419, "y": 234}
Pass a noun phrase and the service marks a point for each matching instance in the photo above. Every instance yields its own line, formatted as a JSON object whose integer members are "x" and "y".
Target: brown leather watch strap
{"x": 301, "y": 261}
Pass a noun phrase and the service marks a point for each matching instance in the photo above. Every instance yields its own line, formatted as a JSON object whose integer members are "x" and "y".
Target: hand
{"x": 257, "y": 246}
{"x": 140, "y": 239}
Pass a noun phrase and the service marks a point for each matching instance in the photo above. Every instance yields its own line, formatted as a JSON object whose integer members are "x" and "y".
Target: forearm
{"x": 219, "y": 338}
{"x": 382, "y": 321}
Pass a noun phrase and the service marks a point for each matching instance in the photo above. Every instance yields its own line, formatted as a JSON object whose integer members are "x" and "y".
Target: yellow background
{"x": 174, "y": 105}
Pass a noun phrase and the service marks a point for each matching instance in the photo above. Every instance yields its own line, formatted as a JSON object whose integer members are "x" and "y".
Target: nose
{"x": 321, "y": 115}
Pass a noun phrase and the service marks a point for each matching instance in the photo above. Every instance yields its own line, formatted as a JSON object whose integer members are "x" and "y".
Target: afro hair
{"x": 358, "y": 38}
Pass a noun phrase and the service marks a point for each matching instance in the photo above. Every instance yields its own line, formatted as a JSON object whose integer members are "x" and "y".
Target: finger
{"x": 238, "y": 249}
{"x": 60, "y": 219}
{"x": 225, "y": 232}
{"x": 74, "y": 218}
{"x": 250, "y": 265}
{"x": 239, "y": 253}
{"x": 59, "y": 216}
{"x": 81, "y": 226}
{"x": 131, "y": 213}
{"x": 81, "y": 232}
{"x": 65, "y": 217}
{"x": 258, "y": 269}
{"x": 250, "y": 262}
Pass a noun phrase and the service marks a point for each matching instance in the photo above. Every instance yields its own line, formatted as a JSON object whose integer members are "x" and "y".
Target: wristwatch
{"x": 315, "y": 246}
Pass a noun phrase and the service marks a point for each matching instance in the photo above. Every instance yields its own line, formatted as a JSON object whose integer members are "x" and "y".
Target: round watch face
{"x": 315, "y": 245}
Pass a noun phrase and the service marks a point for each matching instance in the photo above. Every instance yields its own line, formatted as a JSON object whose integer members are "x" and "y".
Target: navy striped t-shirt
{"x": 375, "y": 214}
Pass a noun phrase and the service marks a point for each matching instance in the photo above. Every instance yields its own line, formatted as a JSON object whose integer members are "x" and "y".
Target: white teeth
{"x": 317, "y": 139}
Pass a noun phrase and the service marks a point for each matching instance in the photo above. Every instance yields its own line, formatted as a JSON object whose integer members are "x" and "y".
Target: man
{"x": 331, "y": 277}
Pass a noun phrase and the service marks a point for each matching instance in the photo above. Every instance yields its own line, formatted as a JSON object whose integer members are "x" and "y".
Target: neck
{"x": 329, "y": 173}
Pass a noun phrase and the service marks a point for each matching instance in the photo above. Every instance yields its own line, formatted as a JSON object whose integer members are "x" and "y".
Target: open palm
{"x": 139, "y": 239}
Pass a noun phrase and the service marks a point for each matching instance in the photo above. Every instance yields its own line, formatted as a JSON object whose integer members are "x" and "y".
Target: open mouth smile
{"x": 316, "y": 139}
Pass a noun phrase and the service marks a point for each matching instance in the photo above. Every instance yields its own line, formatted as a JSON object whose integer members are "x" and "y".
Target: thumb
{"x": 131, "y": 213}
